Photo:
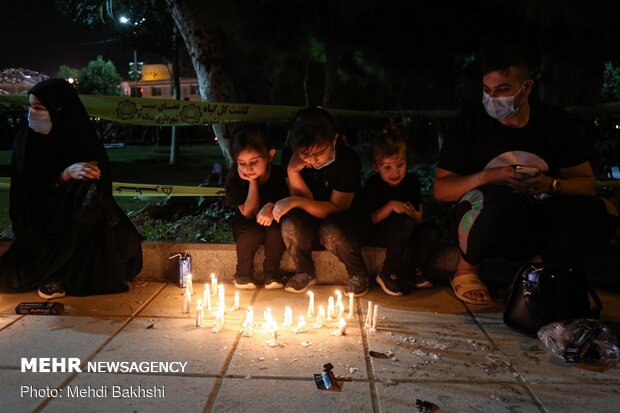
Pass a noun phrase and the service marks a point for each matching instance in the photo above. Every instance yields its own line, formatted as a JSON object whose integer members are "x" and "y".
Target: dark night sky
{"x": 35, "y": 36}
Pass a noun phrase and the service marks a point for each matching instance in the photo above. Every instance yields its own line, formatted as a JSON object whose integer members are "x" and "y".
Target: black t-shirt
{"x": 272, "y": 190}
{"x": 550, "y": 141}
{"x": 377, "y": 192}
{"x": 343, "y": 175}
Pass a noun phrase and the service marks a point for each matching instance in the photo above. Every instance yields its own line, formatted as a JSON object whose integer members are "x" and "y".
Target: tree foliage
{"x": 99, "y": 77}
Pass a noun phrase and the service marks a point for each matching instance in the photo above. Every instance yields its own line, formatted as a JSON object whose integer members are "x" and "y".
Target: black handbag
{"x": 540, "y": 296}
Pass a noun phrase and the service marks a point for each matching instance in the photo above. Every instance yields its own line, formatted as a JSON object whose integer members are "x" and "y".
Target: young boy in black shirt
{"x": 323, "y": 176}
{"x": 393, "y": 199}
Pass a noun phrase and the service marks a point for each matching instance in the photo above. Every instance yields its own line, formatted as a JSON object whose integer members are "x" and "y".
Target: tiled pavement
{"x": 463, "y": 359}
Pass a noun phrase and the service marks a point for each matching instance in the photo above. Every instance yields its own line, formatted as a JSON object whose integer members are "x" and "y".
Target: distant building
{"x": 19, "y": 80}
{"x": 155, "y": 82}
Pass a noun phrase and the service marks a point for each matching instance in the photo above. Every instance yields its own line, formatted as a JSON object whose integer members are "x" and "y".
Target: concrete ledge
{"x": 221, "y": 259}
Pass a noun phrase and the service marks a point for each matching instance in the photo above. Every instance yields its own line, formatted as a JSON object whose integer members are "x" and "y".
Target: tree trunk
{"x": 328, "y": 18}
{"x": 176, "y": 88}
{"x": 206, "y": 49}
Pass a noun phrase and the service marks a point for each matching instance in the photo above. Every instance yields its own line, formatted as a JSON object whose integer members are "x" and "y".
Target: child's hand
{"x": 243, "y": 176}
{"x": 296, "y": 164}
{"x": 282, "y": 207}
{"x": 403, "y": 208}
{"x": 417, "y": 215}
{"x": 265, "y": 215}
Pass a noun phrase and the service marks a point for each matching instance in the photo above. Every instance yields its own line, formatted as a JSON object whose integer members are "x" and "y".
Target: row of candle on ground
{"x": 370, "y": 323}
{"x": 271, "y": 326}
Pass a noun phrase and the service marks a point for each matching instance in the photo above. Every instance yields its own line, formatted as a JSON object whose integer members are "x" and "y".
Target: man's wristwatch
{"x": 555, "y": 186}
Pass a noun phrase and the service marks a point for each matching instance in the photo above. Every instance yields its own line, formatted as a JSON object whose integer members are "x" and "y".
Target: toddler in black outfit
{"x": 393, "y": 199}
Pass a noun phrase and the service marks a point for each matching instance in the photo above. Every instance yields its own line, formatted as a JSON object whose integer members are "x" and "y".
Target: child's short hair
{"x": 387, "y": 143}
{"x": 310, "y": 126}
{"x": 250, "y": 137}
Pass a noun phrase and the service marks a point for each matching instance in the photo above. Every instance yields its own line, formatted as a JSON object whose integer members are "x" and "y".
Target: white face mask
{"x": 501, "y": 107}
{"x": 39, "y": 121}
{"x": 329, "y": 161}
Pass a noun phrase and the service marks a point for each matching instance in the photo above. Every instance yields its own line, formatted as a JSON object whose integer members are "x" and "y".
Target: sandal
{"x": 468, "y": 282}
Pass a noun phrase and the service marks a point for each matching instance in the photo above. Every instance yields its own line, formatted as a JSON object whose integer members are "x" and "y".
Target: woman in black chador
{"x": 70, "y": 235}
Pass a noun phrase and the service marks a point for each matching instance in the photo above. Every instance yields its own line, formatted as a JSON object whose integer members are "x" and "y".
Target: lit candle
{"x": 342, "y": 328}
{"x": 373, "y": 329}
{"x": 248, "y": 324}
{"x": 219, "y": 321}
{"x": 288, "y": 317}
{"x": 320, "y": 318}
{"x": 221, "y": 296}
{"x": 301, "y": 325}
{"x": 330, "y": 308}
{"x": 338, "y": 298}
{"x": 340, "y": 310}
{"x": 207, "y": 297}
{"x": 267, "y": 318}
{"x": 274, "y": 330}
{"x": 235, "y": 306}
{"x": 311, "y": 304}
{"x": 187, "y": 301}
{"x": 200, "y": 314}
{"x": 368, "y": 323}
{"x": 350, "y": 316}
{"x": 213, "y": 284}
{"x": 188, "y": 283}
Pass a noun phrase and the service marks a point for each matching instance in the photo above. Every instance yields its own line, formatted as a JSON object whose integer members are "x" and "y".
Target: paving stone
{"x": 7, "y": 319}
{"x": 109, "y": 305}
{"x": 169, "y": 303}
{"x": 257, "y": 396}
{"x": 11, "y": 382}
{"x": 171, "y": 340}
{"x": 578, "y": 398}
{"x": 445, "y": 351}
{"x": 181, "y": 394}
{"x": 450, "y": 397}
{"x": 536, "y": 365}
{"x": 54, "y": 336}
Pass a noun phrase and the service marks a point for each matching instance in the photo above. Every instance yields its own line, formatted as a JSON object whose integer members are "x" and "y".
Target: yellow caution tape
{"x": 167, "y": 112}
{"x": 137, "y": 189}
{"x": 134, "y": 189}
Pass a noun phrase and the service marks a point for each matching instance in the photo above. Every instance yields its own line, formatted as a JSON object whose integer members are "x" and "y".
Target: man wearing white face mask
{"x": 519, "y": 171}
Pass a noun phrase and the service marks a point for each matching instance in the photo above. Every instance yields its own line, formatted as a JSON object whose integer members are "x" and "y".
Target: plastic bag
{"x": 581, "y": 340}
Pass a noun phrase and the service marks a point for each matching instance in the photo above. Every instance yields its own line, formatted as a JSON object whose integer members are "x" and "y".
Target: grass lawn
{"x": 141, "y": 164}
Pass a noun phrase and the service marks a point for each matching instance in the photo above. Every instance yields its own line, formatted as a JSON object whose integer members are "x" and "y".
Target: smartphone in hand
{"x": 527, "y": 170}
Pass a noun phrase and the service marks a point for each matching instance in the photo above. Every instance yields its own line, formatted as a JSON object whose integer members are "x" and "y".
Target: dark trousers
{"x": 494, "y": 221}
{"x": 339, "y": 233}
{"x": 407, "y": 246}
{"x": 249, "y": 236}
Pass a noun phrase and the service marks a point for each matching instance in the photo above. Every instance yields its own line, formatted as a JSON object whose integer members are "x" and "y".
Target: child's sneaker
{"x": 389, "y": 284}
{"x": 420, "y": 281}
{"x": 273, "y": 283}
{"x": 243, "y": 282}
{"x": 299, "y": 283}
{"x": 52, "y": 289}
{"x": 357, "y": 284}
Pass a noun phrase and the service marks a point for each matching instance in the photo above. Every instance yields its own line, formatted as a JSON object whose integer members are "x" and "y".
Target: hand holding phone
{"x": 527, "y": 170}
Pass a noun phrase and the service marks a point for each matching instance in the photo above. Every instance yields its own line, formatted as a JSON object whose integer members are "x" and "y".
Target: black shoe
{"x": 389, "y": 284}
{"x": 273, "y": 283}
{"x": 243, "y": 282}
{"x": 357, "y": 284}
{"x": 299, "y": 283}
{"x": 52, "y": 289}
{"x": 420, "y": 281}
